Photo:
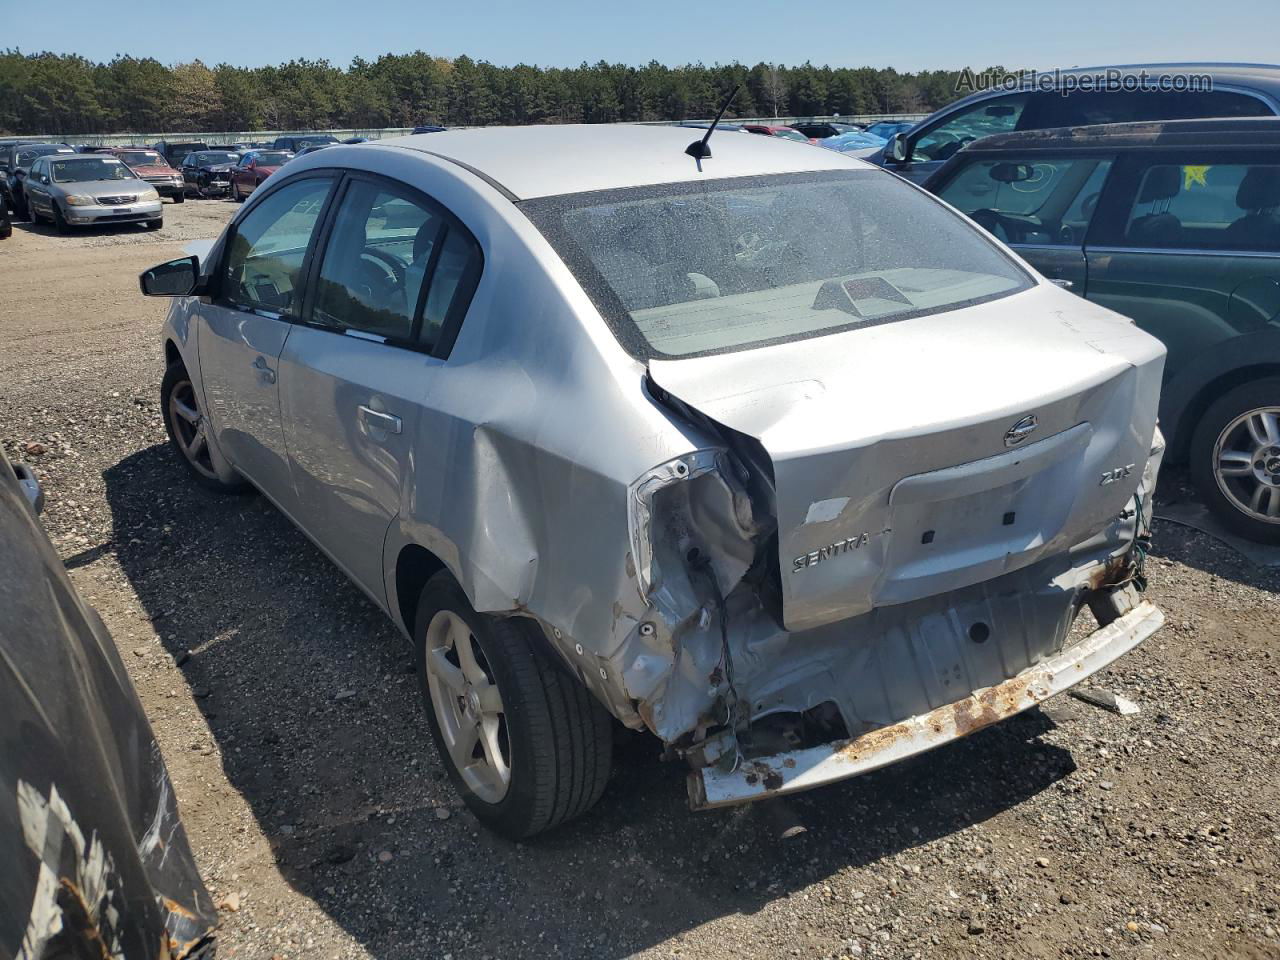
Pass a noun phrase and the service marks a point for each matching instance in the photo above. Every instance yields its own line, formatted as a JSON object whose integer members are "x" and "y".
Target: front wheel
{"x": 524, "y": 742}
{"x": 1235, "y": 459}
{"x": 187, "y": 428}
{"x": 59, "y": 221}
{"x": 154, "y": 224}
{"x": 180, "y": 197}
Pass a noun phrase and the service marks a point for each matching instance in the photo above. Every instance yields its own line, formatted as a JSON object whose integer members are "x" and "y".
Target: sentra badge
{"x": 828, "y": 551}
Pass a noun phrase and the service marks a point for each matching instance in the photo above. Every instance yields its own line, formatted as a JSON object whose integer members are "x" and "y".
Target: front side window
{"x": 1233, "y": 206}
{"x": 714, "y": 266}
{"x": 1032, "y": 199}
{"x": 393, "y": 265}
{"x": 264, "y": 260}
{"x": 998, "y": 115}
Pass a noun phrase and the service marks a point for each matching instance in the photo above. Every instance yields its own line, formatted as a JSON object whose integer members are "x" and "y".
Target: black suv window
{"x": 264, "y": 260}
{"x": 1036, "y": 199}
{"x": 1085, "y": 108}
{"x": 1230, "y": 206}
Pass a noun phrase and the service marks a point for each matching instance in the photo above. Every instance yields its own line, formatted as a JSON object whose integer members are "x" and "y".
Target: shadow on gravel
{"x": 308, "y": 690}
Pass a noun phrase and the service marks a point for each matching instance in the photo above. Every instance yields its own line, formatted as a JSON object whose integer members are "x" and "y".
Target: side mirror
{"x": 19, "y": 173}
{"x": 177, "y": 278}
{"x": 44, "y": 179}
{"x": 899, "y": 148}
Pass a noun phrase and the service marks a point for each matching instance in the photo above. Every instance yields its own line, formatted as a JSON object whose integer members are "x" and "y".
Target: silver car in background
{"x": 767, "y": 452}
{"x": 90, "y": 190}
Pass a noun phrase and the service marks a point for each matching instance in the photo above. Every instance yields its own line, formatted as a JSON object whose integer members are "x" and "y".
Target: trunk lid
{"x": 926, "y": 455}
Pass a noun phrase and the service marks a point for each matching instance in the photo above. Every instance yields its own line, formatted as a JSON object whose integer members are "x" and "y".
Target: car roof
{"x": 1227, "y": 132}
{"x": 543, "y": 161}
{"x": 1262, "y": 78}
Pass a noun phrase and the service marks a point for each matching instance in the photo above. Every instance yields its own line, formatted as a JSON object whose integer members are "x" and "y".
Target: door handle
{"x": 379, "y": 420}
{"x": 261, "y": 366}
{"x": 1064, "y": 284}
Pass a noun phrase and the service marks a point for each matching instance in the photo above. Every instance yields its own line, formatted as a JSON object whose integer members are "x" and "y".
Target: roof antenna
{"x": 699, "y": 149}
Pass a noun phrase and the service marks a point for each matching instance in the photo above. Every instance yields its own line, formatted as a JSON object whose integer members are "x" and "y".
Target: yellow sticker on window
{"x": 1193, "y": 175}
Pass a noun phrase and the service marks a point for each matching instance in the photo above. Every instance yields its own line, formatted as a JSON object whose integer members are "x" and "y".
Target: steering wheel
{"x": 381, "y": 275}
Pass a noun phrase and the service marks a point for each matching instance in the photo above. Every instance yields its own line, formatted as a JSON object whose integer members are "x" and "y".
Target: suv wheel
{"x": 1235, "y": 459}
{"x": 524, "y": 742}
{"x": 180, "y": 196}
{"x": 186, "y": 426}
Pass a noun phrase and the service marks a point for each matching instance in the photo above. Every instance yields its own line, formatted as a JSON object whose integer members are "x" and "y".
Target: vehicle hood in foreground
{"x": 925, "y": 455}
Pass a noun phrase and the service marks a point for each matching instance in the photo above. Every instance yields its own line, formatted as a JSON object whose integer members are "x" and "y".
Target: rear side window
{"x": 264, "y": 260}
{"x": 1231, "y": 206}
{"x": 1031, "y": 200}
{"x": 1089, "y": 107}
{"x": 395, "y": 266}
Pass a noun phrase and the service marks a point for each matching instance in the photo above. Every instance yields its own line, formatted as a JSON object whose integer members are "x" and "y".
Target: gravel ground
{"x": 286, "y": 708}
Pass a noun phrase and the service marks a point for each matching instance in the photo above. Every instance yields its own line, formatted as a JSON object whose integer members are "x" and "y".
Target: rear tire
{"x": 177, "y": 396}
{"x": 557, "y": 738}
{"x": 1235, "y": 459}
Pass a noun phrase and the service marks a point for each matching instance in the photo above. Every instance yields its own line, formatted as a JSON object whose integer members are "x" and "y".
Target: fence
{"x": 257, "y": 136}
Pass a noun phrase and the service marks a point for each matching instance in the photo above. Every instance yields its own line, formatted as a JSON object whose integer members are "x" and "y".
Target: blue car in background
{"x": 887, "y": 128}
{"x": 857, "y": 140}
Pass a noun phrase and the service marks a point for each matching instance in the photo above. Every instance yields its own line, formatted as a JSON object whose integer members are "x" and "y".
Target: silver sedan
{"x": 89, "y": 189}
{"x": 758, "y": 448}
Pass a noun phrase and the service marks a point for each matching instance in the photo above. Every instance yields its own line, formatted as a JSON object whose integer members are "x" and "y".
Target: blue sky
{"x": 911, "y": 35}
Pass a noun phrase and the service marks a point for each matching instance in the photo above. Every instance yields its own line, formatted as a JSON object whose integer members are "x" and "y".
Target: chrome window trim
{"x": 1187, "y": 251}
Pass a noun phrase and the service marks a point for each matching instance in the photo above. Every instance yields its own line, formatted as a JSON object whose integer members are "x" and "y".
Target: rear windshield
{"x": 681, "y": 270}
{"x": 274, "y": 159}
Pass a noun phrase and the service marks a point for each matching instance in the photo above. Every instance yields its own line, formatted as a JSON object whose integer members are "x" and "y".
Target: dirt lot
{"x": 287, "y": 711}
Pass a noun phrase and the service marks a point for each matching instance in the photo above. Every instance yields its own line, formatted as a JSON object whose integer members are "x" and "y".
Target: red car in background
{"x": 778, "y": 130}
{"x": 254, "y": 167}
{"x": 151, "y": 167}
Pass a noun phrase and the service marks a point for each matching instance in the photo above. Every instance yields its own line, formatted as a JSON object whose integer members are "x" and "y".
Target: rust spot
{"x": 173, "y": 906}
{"x": 1114, "y": 571}
{"x": 752, "y": 778}
{"x": 873, "y": 742}
{"x": 789, "y": 762}
{"x": 773, "y": 780}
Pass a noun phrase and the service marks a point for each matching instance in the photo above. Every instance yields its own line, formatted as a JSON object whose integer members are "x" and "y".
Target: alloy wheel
{"x": 468, "y": 706}
{"x": 1246, "y": 462}
{"x": 190, "y": 428}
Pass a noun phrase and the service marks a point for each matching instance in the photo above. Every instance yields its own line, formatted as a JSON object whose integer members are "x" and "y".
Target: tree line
{"x": 67, "y": 94}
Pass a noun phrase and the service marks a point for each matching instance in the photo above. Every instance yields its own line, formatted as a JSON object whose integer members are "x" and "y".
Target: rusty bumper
{"x": 812, "y": 767}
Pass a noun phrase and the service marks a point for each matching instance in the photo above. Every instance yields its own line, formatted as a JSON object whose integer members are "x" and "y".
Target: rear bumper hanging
{"x": 805, "y": 769}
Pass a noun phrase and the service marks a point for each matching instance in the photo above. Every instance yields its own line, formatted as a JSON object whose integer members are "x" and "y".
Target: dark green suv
{"x": 1177, "y": 225}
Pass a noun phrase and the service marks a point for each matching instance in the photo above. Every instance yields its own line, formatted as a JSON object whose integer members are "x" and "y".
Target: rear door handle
{"x": 261, "y": 366}
{"x": 1064, "y": 284}
{"x": 379, "y": 420}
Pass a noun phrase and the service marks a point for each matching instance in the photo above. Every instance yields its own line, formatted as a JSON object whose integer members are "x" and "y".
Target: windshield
{"x": 318, "y": 141}
{"x": 143, "y": 158}
{"x": 791, "y": 135}
{"x": 87, "y": 169}
{"x": 27, "y": 154}
{"x": 215, "y": 158}
{"x": 688, "y": 269}
{"x": 274, "y": 159}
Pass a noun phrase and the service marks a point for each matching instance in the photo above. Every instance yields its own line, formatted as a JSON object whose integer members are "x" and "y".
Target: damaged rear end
{"x": 922, "y": 463}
